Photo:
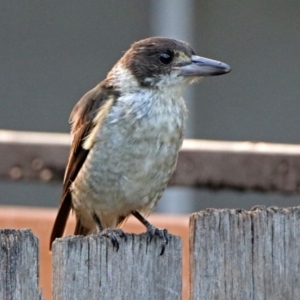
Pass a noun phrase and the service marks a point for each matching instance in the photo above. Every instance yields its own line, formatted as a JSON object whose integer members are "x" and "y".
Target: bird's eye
{"x": 166, "y": 58}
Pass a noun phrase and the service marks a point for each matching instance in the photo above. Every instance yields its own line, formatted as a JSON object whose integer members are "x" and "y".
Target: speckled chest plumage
{"x": 132, "y": 159}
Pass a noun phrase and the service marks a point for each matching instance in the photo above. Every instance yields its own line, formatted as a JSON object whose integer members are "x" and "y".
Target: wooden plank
{"x": 210, "y": 164}
{"x": 40, "y": 221}
{"x": 236, "y": 254}
{"x": 19, "y": 264}
{"x": 239, "y": 165}
{"x": 33, "y": 155}
{"x": 89, "y": 268}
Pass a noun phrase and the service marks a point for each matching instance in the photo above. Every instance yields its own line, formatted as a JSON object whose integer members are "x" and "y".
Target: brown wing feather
{"x": 82, "y": 118}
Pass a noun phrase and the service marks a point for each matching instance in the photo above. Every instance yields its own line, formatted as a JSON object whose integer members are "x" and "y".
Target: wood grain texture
{"x": 201, "y": 163}
{"x": 236, "y": 254}
{"x": 89, "y": 268}
{"x": 19, "y": 265}
{"x": 40, "y": 221}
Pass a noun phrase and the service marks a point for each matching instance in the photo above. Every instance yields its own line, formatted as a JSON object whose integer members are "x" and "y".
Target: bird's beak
{"x": 201, "y": 66}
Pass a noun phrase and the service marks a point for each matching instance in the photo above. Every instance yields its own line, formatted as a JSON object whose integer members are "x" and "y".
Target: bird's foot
{"x": 113, "y": 235}
{"x": 161, "y": 233}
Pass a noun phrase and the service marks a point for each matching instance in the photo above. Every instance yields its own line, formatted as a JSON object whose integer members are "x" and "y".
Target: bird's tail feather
{"x": 61, "y": 218}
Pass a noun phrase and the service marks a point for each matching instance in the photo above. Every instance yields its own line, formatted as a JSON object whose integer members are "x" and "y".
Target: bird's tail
{"x": 61, "y": 218}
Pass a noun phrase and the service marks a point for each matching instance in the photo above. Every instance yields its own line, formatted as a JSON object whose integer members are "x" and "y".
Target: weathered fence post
{"x": 19, "y": 265}
{"x": 89, "y": 268}
{"x": 236, "y": 254}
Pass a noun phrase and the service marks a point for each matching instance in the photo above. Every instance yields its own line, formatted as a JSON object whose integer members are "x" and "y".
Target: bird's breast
{"x": 134, "y": 153}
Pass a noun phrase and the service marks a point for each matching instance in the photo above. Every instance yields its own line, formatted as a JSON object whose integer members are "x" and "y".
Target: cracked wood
{"x": 89, "y": 268}
{"x": 236, "y": 254}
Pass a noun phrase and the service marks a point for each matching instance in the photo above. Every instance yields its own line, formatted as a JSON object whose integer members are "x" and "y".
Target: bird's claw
{"x": 112, "y": 234}
{"x": 161, "y": 233}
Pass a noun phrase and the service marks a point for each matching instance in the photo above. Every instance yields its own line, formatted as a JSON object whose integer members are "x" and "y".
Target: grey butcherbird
{"x": 127, "y": 132}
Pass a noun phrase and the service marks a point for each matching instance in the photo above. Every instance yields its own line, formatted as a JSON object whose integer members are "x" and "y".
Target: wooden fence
{"x": 233, "y": 254}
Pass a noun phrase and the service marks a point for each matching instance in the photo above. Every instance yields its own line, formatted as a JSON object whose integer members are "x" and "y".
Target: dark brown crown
{"x": 144, "y": 60}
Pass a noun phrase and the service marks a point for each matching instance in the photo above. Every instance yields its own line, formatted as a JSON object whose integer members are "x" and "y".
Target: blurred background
{"x": 52, "y": 52}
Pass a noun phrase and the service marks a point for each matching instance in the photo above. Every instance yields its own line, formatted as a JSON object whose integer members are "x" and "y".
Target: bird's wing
{"x": 87, "y": 114}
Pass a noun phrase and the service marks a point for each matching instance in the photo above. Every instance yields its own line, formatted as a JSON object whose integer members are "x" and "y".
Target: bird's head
{"x": 166, "y": 63}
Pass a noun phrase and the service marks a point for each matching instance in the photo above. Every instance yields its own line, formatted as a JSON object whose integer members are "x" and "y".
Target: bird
{"x": 126, "y": 135}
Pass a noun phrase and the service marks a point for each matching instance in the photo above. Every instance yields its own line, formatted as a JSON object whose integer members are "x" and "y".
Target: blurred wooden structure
{"x": 211, "y": 164}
